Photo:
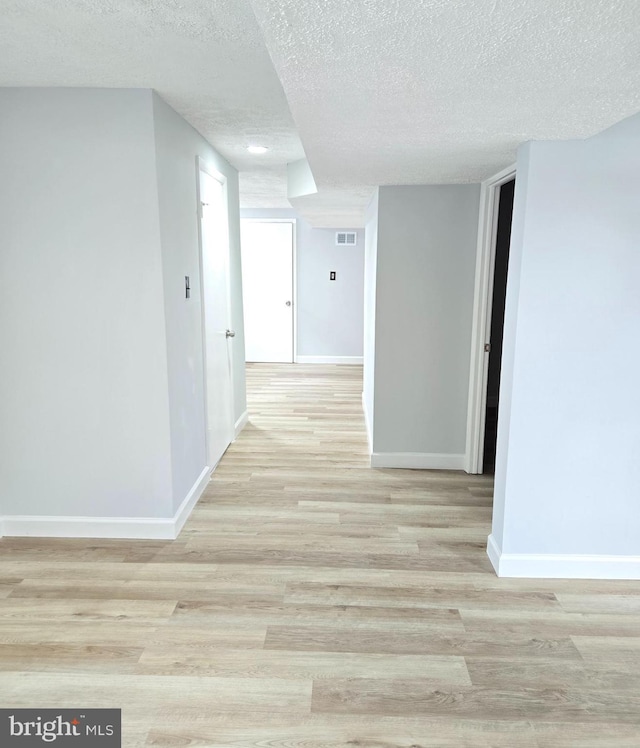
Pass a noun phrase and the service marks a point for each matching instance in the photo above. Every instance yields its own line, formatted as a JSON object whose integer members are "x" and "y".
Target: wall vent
{"x": 346, "y": 238}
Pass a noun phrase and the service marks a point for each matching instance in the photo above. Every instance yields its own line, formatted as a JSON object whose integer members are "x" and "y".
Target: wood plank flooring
{"x": 312, "y": 602}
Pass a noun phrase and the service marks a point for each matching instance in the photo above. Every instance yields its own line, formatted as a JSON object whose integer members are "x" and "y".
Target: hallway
{"x": 312, "y": 602}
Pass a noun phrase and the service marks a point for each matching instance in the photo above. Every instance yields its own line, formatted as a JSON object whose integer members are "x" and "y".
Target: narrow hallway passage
{"x": 301, "y": 471}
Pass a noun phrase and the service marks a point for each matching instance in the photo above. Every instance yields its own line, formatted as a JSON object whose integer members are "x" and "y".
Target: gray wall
{"x": 177, "y": 145}
{"x": 370, "y": 270}
{"x": 329, "y": 313}
{"x": 568, "y": 472}
{"x": 83, "y": 382}
{"x": 101, "y": 406}
{"x": 426, "y": 247}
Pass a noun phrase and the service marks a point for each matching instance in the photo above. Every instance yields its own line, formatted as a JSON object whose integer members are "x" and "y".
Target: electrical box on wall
{"x": 346, "y": 238}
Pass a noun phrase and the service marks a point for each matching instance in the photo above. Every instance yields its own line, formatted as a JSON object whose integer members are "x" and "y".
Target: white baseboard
{"x": 367, "y": 424}
{"x": 329, "y": 360}
{"x": 417, "y": 460}
{"x": 494, "y": 552}
{"x": 561, "y": 566}
{"x": 240, "y": 424}
{"x": 134, "y": 528}
{"x": 190, "y": 500}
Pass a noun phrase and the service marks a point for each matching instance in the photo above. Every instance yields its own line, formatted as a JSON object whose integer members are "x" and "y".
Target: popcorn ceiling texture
{"x": 206, "y": 58}
{"x": 381, "y": 91}
{"x": 442, "y": 91}
{"x": 264, "y": 187}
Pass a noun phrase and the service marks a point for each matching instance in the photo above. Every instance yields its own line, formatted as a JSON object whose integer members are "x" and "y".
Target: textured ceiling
{"x": 436, "y": 91}
{"x": 381, "y": 91}
{"x": 204, "y": 57}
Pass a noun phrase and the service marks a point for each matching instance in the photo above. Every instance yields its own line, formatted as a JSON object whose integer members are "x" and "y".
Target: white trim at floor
{"x": 136, "y": 528}
{"x": 329, "y": 360}
{"x": 191, "y": 499}
{"x": 561, "y": 565}
{"x": 240, "y": 424}
{"x": 417, "y": 460}
{"x": 367, "y": 424}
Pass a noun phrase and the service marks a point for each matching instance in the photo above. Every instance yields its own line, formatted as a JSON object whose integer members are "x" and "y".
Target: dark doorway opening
{"x": 503, "y": 239}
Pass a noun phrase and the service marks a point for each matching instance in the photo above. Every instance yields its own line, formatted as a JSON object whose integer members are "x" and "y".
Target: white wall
{"x": 101, "y": 406}
{"x": 426, "y": 243}
{"x": 300, "y": 181}
{"x": 329, "y": 313}
{"x": 177, "y": 145}
{"x": 568, "y": 472}
{"x": 83, "y": 382}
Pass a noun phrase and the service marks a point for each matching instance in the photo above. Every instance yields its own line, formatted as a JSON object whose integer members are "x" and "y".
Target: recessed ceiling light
{"x": 257, "y": 148}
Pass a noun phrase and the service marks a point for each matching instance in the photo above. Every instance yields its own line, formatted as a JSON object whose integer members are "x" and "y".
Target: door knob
{"x": 231, "y": 334}
{"x": 288, "y": 303}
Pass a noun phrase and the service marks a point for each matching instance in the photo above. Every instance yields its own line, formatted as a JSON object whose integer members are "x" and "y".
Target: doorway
{"x": 494, "y": 235}
{"x": 268, "y": 251}
{"x": 496, "y": 328}
{"x": 216, "y": 316}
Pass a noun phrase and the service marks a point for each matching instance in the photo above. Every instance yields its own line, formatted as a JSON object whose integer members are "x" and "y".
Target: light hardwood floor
{"x": 312, "y": 602}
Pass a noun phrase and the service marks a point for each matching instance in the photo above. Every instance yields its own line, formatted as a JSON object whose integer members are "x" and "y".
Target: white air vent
{"x": 346, "y": 238}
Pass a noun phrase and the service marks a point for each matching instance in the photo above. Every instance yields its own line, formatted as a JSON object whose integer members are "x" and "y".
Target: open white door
{"x": 214, "y": 235}
{"x": 482, "y": 313}
{"x": 267, "y": 290}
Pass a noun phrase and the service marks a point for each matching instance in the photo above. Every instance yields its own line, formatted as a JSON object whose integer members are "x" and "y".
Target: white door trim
{"x": 201, "y": 165}
{"x": 294, "y": 271}
{"x": 481, "y": 329}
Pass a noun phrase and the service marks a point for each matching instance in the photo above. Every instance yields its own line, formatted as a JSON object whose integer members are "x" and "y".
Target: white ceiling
{"x": 441, "y": 91}
{"x": 204, "y": 57}
{"x": 381, "y": 91}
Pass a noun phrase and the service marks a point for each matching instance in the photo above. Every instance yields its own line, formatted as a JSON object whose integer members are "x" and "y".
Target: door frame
{"x": 294, "y": 271}
{"x": 482, "y": 308}
{"x": 203, "y": 166}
